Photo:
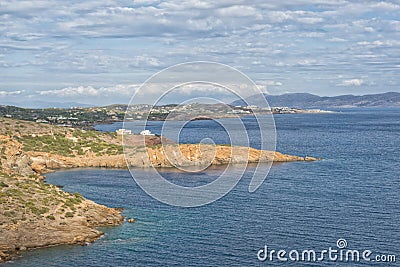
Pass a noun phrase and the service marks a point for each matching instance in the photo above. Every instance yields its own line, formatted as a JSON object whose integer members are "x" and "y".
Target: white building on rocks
{"x": 146, "y": 132}
{"x": 123, "y": 132}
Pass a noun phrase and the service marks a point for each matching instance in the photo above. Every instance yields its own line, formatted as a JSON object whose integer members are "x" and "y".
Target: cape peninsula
{"x": 34, "y": 214}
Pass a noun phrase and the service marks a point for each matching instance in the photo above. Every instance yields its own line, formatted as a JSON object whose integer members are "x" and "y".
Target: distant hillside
{"x": 305, "y": 100}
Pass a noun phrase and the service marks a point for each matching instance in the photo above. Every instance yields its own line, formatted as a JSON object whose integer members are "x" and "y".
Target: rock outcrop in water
{"x": 171, "y": 155}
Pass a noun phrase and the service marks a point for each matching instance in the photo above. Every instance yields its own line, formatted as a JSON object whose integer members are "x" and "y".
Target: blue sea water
{"x": 353, "y": 194}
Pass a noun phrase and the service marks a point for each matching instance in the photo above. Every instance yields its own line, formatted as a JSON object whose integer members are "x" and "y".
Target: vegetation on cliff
{"x": 50, "y": 202}
{"x": 62, "y": 141}
{"x": 36, "y": 214}
{"x": 76, "y": 145}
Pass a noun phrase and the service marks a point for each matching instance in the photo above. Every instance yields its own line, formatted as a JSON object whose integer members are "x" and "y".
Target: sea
{"x": 349, "y": 200}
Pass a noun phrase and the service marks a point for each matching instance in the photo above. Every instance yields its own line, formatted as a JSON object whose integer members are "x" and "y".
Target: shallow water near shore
{"x": 352, "y": 194}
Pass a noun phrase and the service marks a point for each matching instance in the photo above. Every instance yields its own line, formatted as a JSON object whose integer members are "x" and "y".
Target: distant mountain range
{"x": 305, "y": 100}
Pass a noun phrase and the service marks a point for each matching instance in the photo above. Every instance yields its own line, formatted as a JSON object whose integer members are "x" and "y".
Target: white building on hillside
{"x": 146, "y": 132}
{"x": 123, "y": 131}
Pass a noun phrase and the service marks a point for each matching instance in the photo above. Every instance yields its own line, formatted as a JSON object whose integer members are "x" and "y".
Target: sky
{"x": 100, "y": 52}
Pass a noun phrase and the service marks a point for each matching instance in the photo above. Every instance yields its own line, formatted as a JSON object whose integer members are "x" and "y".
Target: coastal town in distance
{"x": 80, "y": 116}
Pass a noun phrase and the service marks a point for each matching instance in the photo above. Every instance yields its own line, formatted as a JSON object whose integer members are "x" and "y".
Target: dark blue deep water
{"x": 354, "y": 193}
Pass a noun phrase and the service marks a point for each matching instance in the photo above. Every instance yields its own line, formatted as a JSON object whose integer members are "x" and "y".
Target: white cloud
{"x": 166, "y": 91}
{"x": 312, "y": 34}
{"x": 352, "y": 82}
{"x": 239, "y": 11}
{"x": 310, "y": 20}
{"x": 279, "y": 16}
{"x": 380, "y": 43}
{"x": 90, "y": 91}
{"x": 336, "y": 40}
{"x": 10, "y": 93}
{"x": 306, "y": 62}
{"x": 269, "y": 83}
{"x": 264, "y": 86}
{"x": 385, "y": 6}
{"x": 71, "y": 91}
{"x": 145, "y": 2}
{"x": 25, "y": 6}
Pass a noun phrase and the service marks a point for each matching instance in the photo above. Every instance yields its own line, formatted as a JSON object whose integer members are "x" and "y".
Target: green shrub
{"x": 13, "y": 192}
{"x": 10, "y": 213}
{"x": 51, "y": 217}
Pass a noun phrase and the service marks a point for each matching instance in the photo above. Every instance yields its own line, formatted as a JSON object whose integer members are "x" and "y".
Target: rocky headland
{"x": 35, "y": 214}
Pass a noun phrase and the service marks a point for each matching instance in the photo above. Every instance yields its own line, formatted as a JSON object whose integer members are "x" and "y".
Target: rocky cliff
{"x": 34, "y": 214}
{"x": 157, "y": 156}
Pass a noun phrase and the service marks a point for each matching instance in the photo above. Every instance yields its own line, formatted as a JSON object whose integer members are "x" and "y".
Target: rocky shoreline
{"x": 188, "y": 155}
{"x": 35, "y": 214}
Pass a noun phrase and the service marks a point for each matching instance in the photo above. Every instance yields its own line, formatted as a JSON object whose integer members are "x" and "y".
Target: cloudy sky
{"x": 99, "y": 51}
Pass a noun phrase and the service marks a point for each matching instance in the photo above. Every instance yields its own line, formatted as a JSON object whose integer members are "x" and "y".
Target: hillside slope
{"x": 34, "y": 214}
{"x": 305, "y": 100}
